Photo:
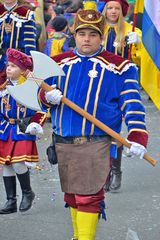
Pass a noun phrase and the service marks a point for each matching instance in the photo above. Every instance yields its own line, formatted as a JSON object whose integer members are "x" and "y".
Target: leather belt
{"x": 78, "y": 140}
{"x": 12, "y": 120}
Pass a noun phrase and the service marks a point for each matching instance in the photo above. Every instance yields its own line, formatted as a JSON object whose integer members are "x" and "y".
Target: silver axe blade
{"x": 43, "y": 68}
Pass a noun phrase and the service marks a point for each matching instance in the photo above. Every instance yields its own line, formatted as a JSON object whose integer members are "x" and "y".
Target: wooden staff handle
{"x": 97, "y": 123}
{"x": 2, "y": 86}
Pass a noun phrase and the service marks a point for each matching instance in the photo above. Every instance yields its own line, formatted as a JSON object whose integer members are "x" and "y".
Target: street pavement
{"x": 136, "y": 206}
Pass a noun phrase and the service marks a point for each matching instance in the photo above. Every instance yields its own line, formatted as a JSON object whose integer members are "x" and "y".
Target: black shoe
{"x": 10, "y": 187}
{"x": 115, "y": 182}
{"x": 27, "y": 199}
{"x": 27, "y": 193}
{"x": 116, "y": 174}
{"x": 9, "y": 207}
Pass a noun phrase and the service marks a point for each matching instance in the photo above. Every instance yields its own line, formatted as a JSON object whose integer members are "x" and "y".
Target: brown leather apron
{"x": 83, "y": 168}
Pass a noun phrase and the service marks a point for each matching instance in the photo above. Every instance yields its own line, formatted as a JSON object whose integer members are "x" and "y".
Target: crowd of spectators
{"x": 57, "y": 12}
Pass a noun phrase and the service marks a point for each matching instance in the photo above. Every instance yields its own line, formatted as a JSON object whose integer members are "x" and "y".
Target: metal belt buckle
{"x": 80, "y": 140}
{"x": 12, "y": 121}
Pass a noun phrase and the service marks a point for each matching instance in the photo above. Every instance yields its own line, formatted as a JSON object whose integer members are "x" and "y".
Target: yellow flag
{"x": 139, "y": 6}
{"x": 150, "y": 77}
{"x": 150, "y": 73}
{"x": 39, "y": 16}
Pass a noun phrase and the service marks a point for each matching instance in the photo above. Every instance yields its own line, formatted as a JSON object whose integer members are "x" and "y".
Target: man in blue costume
{"x": 106, "y": 86}
{"x": 17, "y": 27}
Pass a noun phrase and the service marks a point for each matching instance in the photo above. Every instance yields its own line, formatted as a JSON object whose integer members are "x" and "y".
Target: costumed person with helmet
{"x": 17, "y": 27}
{"x": 118, "y": 39}
{"x": 97, "y": 81}
{"x": 19, "y": 126}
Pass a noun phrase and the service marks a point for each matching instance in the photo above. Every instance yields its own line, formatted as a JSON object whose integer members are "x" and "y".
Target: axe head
{"x": 43, "y": 68}
{"x": 26, "y": 94}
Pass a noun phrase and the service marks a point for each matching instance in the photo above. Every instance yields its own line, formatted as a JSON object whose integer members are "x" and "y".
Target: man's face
{"x": 88, "y": 41}
{"x": 13, "y": 71}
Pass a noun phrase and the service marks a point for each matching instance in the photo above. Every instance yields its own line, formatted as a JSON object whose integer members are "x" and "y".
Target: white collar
{"x": 13, "y": 82}
{"x": 9, "y": 8}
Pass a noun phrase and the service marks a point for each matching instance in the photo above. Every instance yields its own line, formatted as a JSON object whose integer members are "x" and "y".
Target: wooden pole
{"x": 97, "y": 123}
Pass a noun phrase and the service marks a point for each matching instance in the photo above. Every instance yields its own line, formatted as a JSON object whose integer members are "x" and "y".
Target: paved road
{"x": 136, "y": 206}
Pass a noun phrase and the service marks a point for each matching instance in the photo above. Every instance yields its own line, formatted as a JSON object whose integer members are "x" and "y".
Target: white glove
{"x": 54, "y": 96}
{"x": 133, "y": 38}
{"x": 136, "y": 149}
{"x": 34, "y": 129}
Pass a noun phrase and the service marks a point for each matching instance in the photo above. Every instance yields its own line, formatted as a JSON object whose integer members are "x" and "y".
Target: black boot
{"x": 27, "y": 193}
{"x": 116, "y": 174}
{"x": 10, "y": 187}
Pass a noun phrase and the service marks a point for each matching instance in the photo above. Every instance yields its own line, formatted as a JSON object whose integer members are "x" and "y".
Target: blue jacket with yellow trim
{"x": 106, "y": 86}
{"x": 22, "y": 33}
{"x": 10, "y": 109}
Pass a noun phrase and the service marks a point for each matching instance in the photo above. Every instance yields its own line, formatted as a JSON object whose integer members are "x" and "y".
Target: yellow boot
{"x": 87, "y": 224}
{"x": 73, "y": 212}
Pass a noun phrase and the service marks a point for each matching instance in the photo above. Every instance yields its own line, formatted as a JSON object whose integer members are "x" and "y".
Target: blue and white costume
{"x": 17, "y": 29}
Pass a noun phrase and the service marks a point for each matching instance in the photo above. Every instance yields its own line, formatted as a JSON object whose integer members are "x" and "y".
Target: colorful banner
{"x": 150, "y": 55}
{"x": 151, "y": 29}
{"x": 150, "y": 77}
